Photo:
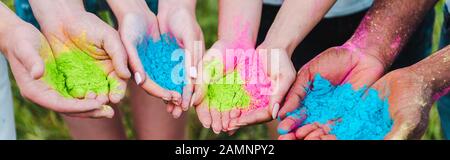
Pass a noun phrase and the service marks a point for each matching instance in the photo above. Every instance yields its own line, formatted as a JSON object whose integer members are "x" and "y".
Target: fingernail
{"x": 166, "y": 98}
{"x": 193, "y": 72}
{"x": 216, "y": 132}
{"x": 206, "y": 126}
{"x": 193, "y": 99}
{"x": 137, "y": 78}
{"x": 276, "y": 108}
{"x": 106, "y": 112}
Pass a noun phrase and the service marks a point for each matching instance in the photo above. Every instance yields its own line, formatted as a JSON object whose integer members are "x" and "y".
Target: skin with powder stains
{"x": 93, "y": 43}
{"x": 364, "y": 58}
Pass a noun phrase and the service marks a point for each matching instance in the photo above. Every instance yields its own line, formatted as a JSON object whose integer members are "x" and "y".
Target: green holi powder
{"x": 226, "y": 92}
{"x": 74, "y": 73}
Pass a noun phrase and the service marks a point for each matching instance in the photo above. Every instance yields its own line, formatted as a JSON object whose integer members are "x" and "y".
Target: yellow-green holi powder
{"x": 226, "y": 92}
{"x": 74, "y": 73}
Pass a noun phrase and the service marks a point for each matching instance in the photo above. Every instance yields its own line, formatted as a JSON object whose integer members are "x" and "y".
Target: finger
{"x": 328, "y": 137}
{"x": 30, "y": 58}
{"x": 154, "y": 89}
{"x": 134, "y": 61}
{"x": 176, "y": 98}
{"x": 104, "y": 112}
{"x": 204, "y": 115}
{"x": 292, "y": 122}
{"x": 304, "y": 131}
{"x": 256, "y": 116}
{"x": 117, "y": 88}
{"x": 187, "y": 96}
{"x": 216, "y": 118}
{"x": 225, "y": 120}
{"x": 296, "y": 94}
{"x": 116, "y": 50}
{"x": 290, "y": 136}
{"x": 177, "y": 111}
{"x": 235, "y": 113}
{"x": 170, "y": 107}
{"x": 315, "y": 135}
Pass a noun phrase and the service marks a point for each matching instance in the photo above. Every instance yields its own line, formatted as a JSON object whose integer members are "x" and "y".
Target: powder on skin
{"x": 74, "y": 73}
{"x": 246, "y": 88}
{"x": 163, "y": 60}
{"x": 357, "y": 115}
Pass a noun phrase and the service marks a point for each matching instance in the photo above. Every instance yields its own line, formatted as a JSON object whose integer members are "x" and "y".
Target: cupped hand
{"x": 344, "y": 64}
{"x": 410, "y": 100}
{"x": 264, "y": 77}
{"x": 27, "y": 50}
{"x": 178, "y": 19}
{"x": 278, "y": 69}
{"x": 84, "y": 33}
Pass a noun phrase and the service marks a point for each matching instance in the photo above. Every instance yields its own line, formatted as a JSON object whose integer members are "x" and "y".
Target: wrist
{"x": 277, "y": 42}
{"x": 177, "y": 4}
{"x": 123, "y": 8}
{"x": 434, "y": 71}
{"x": 367, "y": 45}
{"x": 50, "y": 11}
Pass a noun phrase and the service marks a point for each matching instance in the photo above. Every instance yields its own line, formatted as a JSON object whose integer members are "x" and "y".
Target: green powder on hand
{"x": 226, "y": 92}
{"x": 74, "y": 73}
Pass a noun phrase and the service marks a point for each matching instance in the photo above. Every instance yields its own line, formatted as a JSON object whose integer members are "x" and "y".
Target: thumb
{"x": 30, "y": 57}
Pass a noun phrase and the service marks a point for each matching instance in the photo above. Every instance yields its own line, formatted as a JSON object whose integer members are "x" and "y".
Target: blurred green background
{"x": 33, "y": 122}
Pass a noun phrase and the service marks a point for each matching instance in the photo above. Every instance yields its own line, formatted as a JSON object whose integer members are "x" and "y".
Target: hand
{"x": 262, "y": 82}
{"x": 178, "y": 18}
{"x": 24, "y": 48}
{"x": 345, "y": 64}
{"x": 280, "y": 71}
{"x": 85, "y": 33}
{"x": 410, "y": 100}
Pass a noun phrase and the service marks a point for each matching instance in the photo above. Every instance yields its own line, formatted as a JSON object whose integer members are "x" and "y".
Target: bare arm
{"x": 387, "y": 27}
{"x": 294, "y": 21}
{"x": 239, "y": 20}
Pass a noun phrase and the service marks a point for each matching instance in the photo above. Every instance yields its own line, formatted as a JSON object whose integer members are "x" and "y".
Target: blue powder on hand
{"x": 357, "y": 115}
{"x": 163, "y": 60}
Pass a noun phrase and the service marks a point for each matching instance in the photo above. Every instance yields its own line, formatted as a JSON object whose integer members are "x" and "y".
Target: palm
{"x": 87, "y": 34}
{"x": 339, "y": 65}
{"x": 409, "y": 103}
{"x": 26, "y": 51}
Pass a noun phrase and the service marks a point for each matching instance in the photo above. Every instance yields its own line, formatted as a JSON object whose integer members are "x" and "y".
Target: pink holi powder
{"x": 257, "y": 84}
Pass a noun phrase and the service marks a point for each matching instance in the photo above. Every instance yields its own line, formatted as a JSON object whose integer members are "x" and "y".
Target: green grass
{"x": 33, "y": 122}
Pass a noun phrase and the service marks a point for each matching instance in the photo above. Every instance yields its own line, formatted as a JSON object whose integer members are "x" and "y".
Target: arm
{"x": 435, "y": 72}
{"x": 387, "y": 27}
{"x": 287, "y": 32}
{"x": 239, "y": 21}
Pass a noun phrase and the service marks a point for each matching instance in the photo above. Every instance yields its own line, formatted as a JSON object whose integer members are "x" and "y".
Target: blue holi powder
{"x": 163, "y": 60}
{"x": 357, "y": 115}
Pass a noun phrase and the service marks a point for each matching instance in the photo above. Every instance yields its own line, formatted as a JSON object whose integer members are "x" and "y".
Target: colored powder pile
{"x": 246, "y": 88}
{"x": 357, "y": 115}
{"x": 74, "y": 73}
{"x": 163, "y": 60}
{"x": 228, "y": 93}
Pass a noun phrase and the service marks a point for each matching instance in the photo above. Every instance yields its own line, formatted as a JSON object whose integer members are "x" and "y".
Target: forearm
{"x": 294, "y": 21}
{"x": 435, "y": 71}
{"x": 7, "y": 19}
{"x": 46, "y": 11}
{"x": 239, "y": 21}
{"x": 387, "y": 27}
{"x": 121, "y": 8}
